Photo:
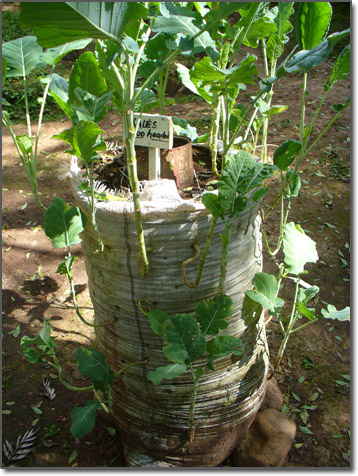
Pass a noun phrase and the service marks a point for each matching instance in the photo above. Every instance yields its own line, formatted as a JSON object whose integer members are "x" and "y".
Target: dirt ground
{"x": 32, "y": 291}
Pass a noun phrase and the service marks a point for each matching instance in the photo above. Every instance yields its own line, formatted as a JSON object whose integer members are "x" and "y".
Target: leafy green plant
{"x": 91, "y": 363}
{"x": 299, "y": 249}
{"x": 20, "y": 58}
{"x": 189, "y": 338}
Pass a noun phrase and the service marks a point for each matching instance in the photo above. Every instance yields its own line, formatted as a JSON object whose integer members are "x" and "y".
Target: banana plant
{"x": 19, "y": 58}
{"x": 298, "y": 249}
{"x": 122, "y": 31}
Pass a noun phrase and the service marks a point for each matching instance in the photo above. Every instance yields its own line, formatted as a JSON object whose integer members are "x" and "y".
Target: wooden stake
{"x": 154, "y": 163}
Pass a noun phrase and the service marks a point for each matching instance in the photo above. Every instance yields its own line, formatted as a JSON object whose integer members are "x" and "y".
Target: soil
{"x": 315, "y": 359}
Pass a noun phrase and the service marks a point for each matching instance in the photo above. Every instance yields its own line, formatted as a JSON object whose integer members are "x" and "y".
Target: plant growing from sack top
{"x": 220, "y": 82}
{"x": 19, "y": 58}
{"x": 120, "y": 48}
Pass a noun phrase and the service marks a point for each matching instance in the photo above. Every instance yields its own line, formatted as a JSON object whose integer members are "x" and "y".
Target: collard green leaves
{"x": 265, "y": 292}
{"x": 286, "y": 153}
{"x": 184, "y": 336}
{"x": 240, "y": 175}
{"x": 84, "y": 418}
{"x": 298, "y": 248}
{"x": 212, "y": 316}
{"x": 312, "y": 23}
{"x": 63, "y": 224}
{"x": 93, "y": 364}
{"x": 185, "y": 340}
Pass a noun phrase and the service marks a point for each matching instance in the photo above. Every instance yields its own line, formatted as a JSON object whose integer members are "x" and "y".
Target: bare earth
{"x": 32, "y": 292}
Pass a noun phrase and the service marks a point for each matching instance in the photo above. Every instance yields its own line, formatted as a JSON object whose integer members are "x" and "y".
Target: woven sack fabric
{"x": 153, "y": 419}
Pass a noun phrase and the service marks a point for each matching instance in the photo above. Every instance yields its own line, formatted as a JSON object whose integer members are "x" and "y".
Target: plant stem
{"x": 130, "y": 132}
{"x": 27, "y": 111}
{"x": 74, "y": 297}
{"x": 91, "y": 199}
{"x": 192, "y": 405}
{"x": 223, "y": 263}
{"x": 130, "y": 365}
{"x": 202, "y": 259}
{"x": 214, "y": 129}
{"x": 288, "y": 331}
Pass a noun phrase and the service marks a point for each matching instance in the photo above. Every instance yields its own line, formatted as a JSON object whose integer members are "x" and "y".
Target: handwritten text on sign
{"x": 154, "y": 131}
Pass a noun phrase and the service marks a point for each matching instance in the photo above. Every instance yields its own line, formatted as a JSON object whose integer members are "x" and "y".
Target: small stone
{"x": 268, "y": 441}
{"x": 273, "y": 397}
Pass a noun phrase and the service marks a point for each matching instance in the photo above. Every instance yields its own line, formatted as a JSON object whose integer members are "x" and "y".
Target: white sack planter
{"x": 153, "y": 419}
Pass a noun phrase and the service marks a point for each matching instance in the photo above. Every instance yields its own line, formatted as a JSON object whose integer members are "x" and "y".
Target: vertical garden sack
{"x": 153, "y": 419}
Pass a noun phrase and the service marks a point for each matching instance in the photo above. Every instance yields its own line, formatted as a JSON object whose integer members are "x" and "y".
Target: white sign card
{"x": 155, "y": 132}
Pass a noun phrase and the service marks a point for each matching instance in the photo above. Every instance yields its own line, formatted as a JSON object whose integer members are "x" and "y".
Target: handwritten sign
{"x": 154, "y": 131}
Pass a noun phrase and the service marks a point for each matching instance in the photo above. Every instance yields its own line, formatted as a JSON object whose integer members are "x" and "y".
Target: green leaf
{"x": 185, "y": 340}
{"x": 54, "y": 55}
{"x": 93, "y": 364}
{"x": 222, "y": 346}
{"x": 305, "y": 430}
{"x": 294, "y": 186}
{"x": 213, "y": 315}
{"x": 206, "y": 72}
{"x": 332, "y": 313}
{"x": 286, "y": 153}
{"x": 305, "y": 311}
{"x": 176, "y": 20}
{"x": 85, "y": 139}
{"x": 157, "y": 318}
{"x": 211, "y": 202}
{"x": 89, "y": 107}
{"x": 63, "y": 223}
{"x": 43, "y": 337}
{"x": 240, "y": 175}
{"x": 25, "y": 144}
{"x": 259, "y": 29}
{"x": 36, "y": 410}
{"x": 203, "y": 91}
{"x": 168, "y": 372}
{"x": 274, "y": 47}
{"x": 22, "y": 56}
{"x": 305, "y": 60}
{"x": 56, "y": 23}
{"x": 86, "y": 75}
{"x": 72, "y": 457}
{"x": 84, "y": 418}
{"x": 284, "y": 11}
{"x": 312, "y": 23}
{"x": 59, "y": 91}
{"x": 65, "y": 267}
{"x": 265, "y": 292}
{"x": 341, "y": 67}
{"x": 298, "y": 249}
{"x": 15, "y": 332}
{"x": 306, "y": 295}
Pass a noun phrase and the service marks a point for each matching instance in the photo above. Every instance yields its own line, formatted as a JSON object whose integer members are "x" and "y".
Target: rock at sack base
{"x": 268, "y": 441}
{"x": 273, "y": 397}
